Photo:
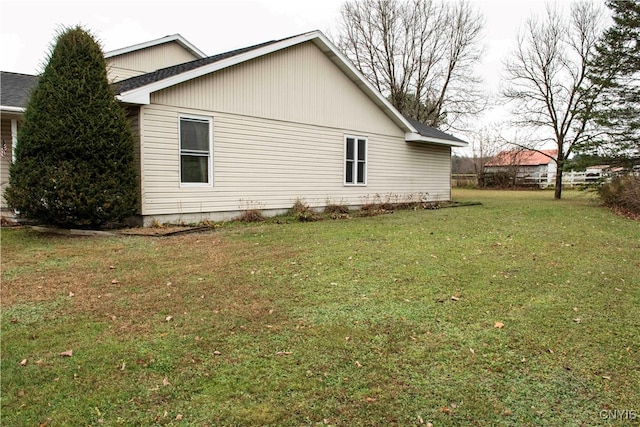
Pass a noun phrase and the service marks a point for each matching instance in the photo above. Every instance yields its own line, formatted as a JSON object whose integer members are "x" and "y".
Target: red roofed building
{"x": 525, "y": 166}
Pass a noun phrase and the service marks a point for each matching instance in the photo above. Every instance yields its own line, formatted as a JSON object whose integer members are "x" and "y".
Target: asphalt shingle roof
{"x": 15, "y": 89}
{"x": 431, "y": 132}
{"x": 164, "y": 73}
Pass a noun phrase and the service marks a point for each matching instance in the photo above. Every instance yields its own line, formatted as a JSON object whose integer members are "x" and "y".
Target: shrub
{"x": 622, "y": 193}
{"x": 303, "y": 212}
{"x": 251, "y": 215}
{"x": 334, "y": 209}
{"x": 74, "y": 157}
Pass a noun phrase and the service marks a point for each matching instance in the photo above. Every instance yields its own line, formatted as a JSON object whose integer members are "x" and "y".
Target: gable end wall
{"x": 278, "y": 135}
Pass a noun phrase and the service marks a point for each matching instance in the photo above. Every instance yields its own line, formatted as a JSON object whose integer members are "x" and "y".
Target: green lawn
{"x": 386, "y": 320}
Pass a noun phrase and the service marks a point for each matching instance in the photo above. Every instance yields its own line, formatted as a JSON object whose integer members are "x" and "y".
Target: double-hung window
{"x": 196, "y": 150}
{"x": 355, "y": 160}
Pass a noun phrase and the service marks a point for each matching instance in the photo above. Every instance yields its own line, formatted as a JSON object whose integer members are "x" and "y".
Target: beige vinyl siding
{"x": 267, "y": 164}
{"x": 150, "y": 59}
{"x": 299, "y": 84}
{"x": 116, "y": 74}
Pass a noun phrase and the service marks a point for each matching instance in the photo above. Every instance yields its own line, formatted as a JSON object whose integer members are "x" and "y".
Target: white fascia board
{"x": 416, "y": 137}
{"x": 11, "y": 109}
{"x": 167, "y": 39}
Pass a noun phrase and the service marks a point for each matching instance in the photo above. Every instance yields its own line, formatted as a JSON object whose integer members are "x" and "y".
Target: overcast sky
{"x": 28, "y": 27}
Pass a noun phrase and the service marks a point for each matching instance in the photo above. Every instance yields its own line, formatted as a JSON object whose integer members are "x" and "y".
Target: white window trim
{"x": 208, "y": 119}
{"x": 366, "y": 161}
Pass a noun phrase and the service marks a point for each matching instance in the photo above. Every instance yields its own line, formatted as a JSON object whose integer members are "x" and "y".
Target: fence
{"x": 569, "y": 179}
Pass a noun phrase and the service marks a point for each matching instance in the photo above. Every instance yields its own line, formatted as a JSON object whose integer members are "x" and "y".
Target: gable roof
{"x": 138, "y": 90}
{"x": 166, "y": 39}
{"x": 523, "y": 158}
{"x": 15, "y": 89}
{"x": 143, "y": 80}
{"x": 431, "y": 132}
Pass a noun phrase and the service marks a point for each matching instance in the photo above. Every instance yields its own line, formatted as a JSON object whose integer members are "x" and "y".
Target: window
{"x": 196, "y": 141}
{"x": 355, "y": 160}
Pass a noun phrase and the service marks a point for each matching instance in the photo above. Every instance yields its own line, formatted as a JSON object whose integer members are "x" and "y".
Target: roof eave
{"x": 11, "y": 109}
{"x": 416, "y": 137}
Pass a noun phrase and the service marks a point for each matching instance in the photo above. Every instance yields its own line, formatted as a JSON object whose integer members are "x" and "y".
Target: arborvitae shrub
{"x": 74, "y": 157}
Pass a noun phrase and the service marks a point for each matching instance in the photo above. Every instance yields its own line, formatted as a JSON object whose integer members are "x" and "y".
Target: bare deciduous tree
{"x": 547, "y": 79}
{"x": 418, "y": 53}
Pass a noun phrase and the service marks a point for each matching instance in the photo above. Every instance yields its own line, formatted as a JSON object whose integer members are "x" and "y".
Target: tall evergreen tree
{"x": 616, "y": 69}
{"x": 74, "y": 156}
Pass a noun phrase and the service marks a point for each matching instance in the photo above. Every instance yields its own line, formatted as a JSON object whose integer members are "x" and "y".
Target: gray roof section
{"x": 15, "y": 89}
{"x": 165, "y": 73}
{"x": 431, "y": 132}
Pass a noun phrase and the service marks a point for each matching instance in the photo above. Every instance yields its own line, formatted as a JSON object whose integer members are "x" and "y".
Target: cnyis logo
{"x": 619, "y": 414}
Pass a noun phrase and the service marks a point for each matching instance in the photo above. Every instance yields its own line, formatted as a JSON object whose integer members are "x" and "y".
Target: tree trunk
{"x": 558, "y": 192}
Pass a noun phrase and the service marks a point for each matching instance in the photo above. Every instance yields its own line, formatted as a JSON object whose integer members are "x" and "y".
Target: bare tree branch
{"x": 418, "y": 53}
{"x": 547, "y": 83}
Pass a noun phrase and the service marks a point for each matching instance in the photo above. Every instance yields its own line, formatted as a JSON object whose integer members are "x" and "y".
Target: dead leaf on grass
{"x": 455, "y": 298}
{"x": 358, "y": 364}
{"x": 67, "y": 353}
{"x": 23, "y": 362}
{"x": 168, "y": 318}
{"x": 165, "y": 382}
{"x": 178, "y": 417}
{"x": 284, "y": 353}
{"x": 498, "y": 325}
{"x": 371, "y": 399}
{"x": 216, "y": 353}
{"x": 577, "y": 320}
{"x": 115, "y": 281}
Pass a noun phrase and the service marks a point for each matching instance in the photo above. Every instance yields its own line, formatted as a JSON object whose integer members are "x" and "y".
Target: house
{"x": 537, "y": 167}
{"x": 266, "y": 125}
